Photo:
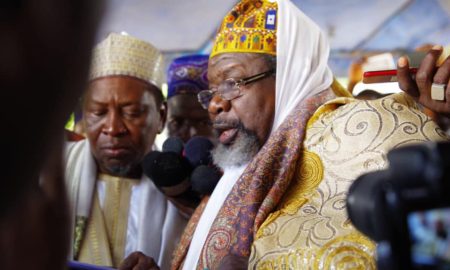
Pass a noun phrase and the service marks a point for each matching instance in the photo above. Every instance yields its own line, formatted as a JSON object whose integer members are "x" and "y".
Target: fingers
{"x": 405, "y": 80}
{"x": 442, "y": 76}
{"x": 443, "y": 73}
{"x": 427, "y": 69}
{"x": 129, "y": 261}
{"x": 138, "y": 261}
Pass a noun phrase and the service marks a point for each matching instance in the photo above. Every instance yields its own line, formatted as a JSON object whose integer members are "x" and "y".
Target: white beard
{"x": 239, "y": 153}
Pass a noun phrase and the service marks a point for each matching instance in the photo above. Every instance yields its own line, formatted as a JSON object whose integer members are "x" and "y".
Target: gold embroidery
{"x": 104, "y": 243}
{"x": 95, "y": 247}
{"x": 350, "y": 140}
{"x": 352, "y": 251}
{"x": 249, "y": 27}
{"x": 310, "y": 173}
{"x": 80, "y": 225}
{"x": 115, "y": 213}
{"x": 126, "y": 55}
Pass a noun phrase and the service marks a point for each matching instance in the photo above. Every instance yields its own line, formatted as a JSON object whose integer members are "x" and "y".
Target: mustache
{"x": 221, "y": 124}
{"x": 227, "y": 124}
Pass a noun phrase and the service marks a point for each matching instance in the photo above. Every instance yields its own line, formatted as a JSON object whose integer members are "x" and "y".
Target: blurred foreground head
{"x": 45, "y": 55}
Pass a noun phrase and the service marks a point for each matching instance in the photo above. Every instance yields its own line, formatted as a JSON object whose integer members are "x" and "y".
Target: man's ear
{"x": 163, "y": 116}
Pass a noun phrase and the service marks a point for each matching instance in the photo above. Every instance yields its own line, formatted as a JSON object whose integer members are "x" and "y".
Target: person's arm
{"x": 428, "y": 74}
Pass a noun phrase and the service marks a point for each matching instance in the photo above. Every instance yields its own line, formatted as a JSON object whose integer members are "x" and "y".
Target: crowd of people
{"x": 289, "y": 141}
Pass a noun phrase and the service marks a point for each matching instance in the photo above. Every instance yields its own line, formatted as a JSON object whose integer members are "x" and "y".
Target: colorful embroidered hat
{"x": 249, "y": 27}
{"x": 187, "y": 75}
{"x": 121, "y": 54}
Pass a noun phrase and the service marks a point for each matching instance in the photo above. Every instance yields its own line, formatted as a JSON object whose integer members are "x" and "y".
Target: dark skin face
{"x": 186, "y": 118}
{"x": 122, "y": 118}
{"x": 255, "y": 108}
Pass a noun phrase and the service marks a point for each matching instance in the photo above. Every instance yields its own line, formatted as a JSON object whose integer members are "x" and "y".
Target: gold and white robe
{"x": 311, "y": 229}
{"x": 113, "y": 217}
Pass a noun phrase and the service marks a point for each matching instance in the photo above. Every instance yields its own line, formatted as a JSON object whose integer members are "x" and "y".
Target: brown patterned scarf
{"x": 257, "y": 192}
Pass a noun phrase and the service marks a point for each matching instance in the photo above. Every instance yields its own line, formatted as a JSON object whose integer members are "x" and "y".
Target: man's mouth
{"x": 227, "y": 133}
{"x": 227, "y": 136}
{"x": 115, "y": 151}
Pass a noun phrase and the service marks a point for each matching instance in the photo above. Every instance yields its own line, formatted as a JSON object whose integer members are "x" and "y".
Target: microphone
{"x": 173, "y": 144}
{"x": 169, "y": 171}
{"x": 198, "y": 151}
{"x": 184, "y": 177}
{"x": 204, "y": 179}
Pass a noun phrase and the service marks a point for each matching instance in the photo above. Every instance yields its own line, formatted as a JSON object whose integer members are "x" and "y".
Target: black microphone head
{"x": 204, "y": 179}
{"x": 198, "y": 151}
{"x": 149, "y": 161}
{"x": 166, "y": 169}
{"x": 173, "y": 144}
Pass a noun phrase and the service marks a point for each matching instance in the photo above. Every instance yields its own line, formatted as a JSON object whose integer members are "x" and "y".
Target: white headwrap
{"x": 302, "y": 60}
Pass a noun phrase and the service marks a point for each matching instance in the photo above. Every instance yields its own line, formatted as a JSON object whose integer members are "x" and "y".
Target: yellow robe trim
{"x": 339, "y": 90}
{"x": 95, "y": 246}
{"x": 105, "y": 239}
{"x": 343, "y": 97}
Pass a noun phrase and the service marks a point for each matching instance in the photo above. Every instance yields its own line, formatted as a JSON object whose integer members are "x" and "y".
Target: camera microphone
{"x": 190, "y": 175}
{"x": 173, "y": 144}
{"x": 169, "y": 171}
{"x": 198, "y": 151}
{"x": 204, "y": 179}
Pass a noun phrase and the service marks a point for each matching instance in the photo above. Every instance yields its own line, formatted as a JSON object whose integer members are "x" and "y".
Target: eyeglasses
{"x": 230, "y": 88}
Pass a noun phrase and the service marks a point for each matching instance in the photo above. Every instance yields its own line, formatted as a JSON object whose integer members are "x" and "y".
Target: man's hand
{"x": 138, "y": 261}
{"x": 427, "y": 74}
{"x": 233, "y": 262}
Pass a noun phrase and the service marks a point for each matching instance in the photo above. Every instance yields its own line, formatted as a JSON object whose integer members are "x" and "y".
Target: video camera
{"x": 406, "y": 208}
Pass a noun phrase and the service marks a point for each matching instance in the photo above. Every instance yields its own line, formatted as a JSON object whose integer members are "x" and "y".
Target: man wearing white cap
{"x": 116, "y": 209}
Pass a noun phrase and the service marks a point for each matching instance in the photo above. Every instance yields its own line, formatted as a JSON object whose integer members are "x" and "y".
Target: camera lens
{"x": 365, "y": 202}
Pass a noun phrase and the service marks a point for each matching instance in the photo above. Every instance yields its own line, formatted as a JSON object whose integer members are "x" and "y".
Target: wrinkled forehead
{"x": 119, "y": 88}
{"x": 224, "y": 65}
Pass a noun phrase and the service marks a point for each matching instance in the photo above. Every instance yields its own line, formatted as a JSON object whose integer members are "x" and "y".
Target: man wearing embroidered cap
{"x": 291, "y": 141}
{"x": 187, "y": 75}
{"x": 116, "y": 210}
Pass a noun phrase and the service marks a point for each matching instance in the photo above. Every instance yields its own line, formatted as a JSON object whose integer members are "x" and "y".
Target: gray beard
{"x": 240, "y": 152}
{"x": 120, "y": 171}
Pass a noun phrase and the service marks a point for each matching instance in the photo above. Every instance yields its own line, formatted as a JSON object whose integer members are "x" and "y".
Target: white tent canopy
{"x": 177, "y": 26}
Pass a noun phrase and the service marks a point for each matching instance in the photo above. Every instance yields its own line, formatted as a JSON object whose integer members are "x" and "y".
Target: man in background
{"x": 186, "y": 118}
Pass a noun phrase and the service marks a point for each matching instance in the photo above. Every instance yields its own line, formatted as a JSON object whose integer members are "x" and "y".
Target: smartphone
{"x": 383, "y": 76}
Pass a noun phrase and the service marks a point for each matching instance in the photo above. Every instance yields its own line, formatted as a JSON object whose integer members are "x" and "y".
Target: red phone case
{"x": 383, "y": 76}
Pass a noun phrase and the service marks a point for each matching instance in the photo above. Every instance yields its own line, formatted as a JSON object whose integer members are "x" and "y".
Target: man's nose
{"x": 218, "y": 105}
{"x": 114, "y": 125}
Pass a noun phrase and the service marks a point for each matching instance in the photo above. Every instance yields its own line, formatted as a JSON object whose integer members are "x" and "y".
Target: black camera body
{"x": 406, "y": 208}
